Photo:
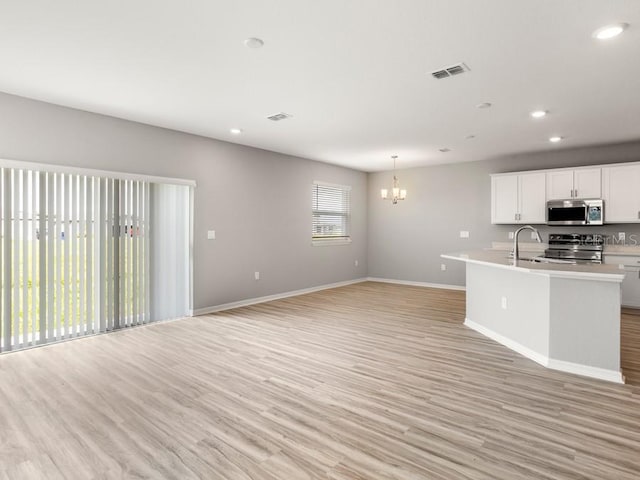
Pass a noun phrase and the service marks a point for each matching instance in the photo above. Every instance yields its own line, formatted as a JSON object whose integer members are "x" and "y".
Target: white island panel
{"x": 524, "y": 323}
{"x": 565, "y": 317}
{"x": 585, "y": 326}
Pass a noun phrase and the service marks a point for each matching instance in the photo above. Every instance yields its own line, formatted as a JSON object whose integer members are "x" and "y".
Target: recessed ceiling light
{"x": 253, "y": 42}
{"x": 483, "y": 105}
{"x": 236, "y": 131}
{"x": 538, "y": 113}
{"x": 610, "y": 31}
{"x": 555, "y": 139}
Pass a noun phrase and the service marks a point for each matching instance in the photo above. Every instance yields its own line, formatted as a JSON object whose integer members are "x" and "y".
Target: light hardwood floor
{"x": 370, "y": 381}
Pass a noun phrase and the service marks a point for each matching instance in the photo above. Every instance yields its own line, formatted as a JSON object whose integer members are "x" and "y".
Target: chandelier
{"x": 396, "y": 193}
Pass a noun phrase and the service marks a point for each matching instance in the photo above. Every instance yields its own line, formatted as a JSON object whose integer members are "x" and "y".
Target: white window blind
{"x": 331, "y": 211}
{"x": 75, "y": 254}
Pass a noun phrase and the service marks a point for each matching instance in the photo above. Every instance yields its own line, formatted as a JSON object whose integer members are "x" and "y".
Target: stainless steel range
{"x": 576, "y": 247}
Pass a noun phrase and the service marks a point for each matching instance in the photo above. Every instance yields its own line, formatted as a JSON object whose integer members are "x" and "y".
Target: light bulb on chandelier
{"x": 396, "y": 192}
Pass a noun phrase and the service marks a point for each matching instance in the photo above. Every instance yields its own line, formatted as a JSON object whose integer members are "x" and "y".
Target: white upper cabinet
{"x": 504, "y": 199}
{"x": 580, "y": 183}
{"x": 587, "y": 183}
{"x": 560, "y": 185}
{"x": 621, "y": 193}
{"x": 521, "y": 197}
{"x": 532, "y": 205}
{"x": 518, "y": 198}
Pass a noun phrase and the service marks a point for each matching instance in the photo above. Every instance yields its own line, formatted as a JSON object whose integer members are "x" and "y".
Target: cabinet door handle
{"x": 576, "y": 193}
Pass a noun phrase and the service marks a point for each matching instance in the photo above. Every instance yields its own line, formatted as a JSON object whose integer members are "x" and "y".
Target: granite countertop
{"x": 501, "y": 259}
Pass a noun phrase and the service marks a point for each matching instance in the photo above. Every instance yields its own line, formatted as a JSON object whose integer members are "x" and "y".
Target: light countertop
{"x": 500, "y": 259}
{"x": 615, "y": 250}
{"x": 622, "y": 250}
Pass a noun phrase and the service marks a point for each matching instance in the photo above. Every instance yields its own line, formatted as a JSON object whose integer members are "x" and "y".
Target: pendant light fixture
{"x": 396, "y": 193}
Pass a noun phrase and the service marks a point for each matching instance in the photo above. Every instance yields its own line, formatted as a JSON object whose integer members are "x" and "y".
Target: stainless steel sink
{"x": 542, "y": 259}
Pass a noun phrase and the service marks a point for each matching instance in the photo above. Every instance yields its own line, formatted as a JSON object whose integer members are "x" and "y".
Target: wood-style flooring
{"x": 366, "y": 382}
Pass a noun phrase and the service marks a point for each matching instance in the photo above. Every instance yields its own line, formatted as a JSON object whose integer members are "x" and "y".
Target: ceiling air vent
{"x": 450, "y": 71}
{"x": 276, "y": 117}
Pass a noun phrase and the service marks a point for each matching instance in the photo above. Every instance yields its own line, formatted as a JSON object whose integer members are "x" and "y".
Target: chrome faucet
{"x": 516, "y": 250}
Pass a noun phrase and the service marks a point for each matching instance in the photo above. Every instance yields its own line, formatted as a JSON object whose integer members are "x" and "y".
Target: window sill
{"x": 327, "y": 242}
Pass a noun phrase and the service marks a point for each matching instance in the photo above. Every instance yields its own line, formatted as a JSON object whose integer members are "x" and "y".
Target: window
{"x": 331, "y": 214}
{"x": 77, "y": 251}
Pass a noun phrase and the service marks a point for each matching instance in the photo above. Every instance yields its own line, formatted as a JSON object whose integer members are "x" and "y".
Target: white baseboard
{"x": 416, "y": 284}
{"x": 586, "y": 371}
{"x": 507, "y": 342}
{"x": 293, "y": 293}
{"x": 277, "y": 296}
{"x": 545, "y": 361}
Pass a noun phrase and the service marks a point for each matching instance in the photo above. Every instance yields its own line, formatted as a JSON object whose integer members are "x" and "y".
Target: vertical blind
{"x": 331, "y": 211}
{"x": 75, "y": 255}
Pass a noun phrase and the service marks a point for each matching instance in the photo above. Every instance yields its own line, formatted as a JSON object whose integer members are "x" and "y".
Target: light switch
{"x": 211, "y": 234}
{"x": 464, "y": 234}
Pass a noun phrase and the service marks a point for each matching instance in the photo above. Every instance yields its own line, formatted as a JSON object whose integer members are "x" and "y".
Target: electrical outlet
{"x": 464, "y": 234}
{"x": 257, "y": 275}
{"x": 504, "y": 303}
{"x": 533, "y": 236}
{"x": 211, "y": 234}
{"x": 443, "y": 267}
{"x": 355, "y": 263}
{"x": 511, "y": 235}
{"x": 622, "y": 236}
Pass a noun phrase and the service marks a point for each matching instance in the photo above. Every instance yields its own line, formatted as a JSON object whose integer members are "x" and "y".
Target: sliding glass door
{"x": 77, "y": 251}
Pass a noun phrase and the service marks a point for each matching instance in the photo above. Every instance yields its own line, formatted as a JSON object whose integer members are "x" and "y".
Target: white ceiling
{"x": 353, "y": 73}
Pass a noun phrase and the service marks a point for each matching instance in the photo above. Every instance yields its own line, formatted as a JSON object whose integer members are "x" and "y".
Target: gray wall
{"x": 406, "y": 240}
{"x": 258, "y": 202}
{"x": 241, "y": 189}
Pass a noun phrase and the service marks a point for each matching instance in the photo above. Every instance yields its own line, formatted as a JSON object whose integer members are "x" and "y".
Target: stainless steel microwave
{"x": 575, "y": 212}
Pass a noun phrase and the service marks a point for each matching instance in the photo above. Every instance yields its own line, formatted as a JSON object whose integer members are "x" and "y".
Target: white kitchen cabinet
{"x": 621, "y": 193}
{"x": 587, "y": 183}
{"x": 532, "y": 205}
{"x": 504, "y": 199}
{"x": 518, "y": 198}
{"x": 631, "y": 282}
{"x": 579, "y": 183}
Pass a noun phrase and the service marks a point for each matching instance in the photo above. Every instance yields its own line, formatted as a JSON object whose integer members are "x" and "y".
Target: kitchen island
{"x": 563, "y": 316}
